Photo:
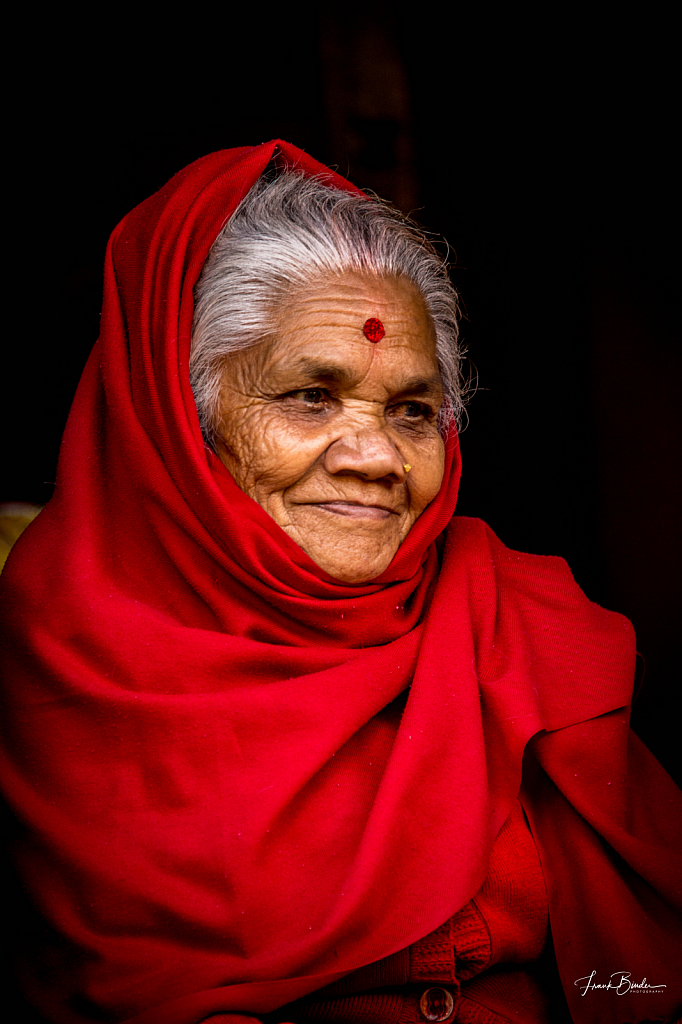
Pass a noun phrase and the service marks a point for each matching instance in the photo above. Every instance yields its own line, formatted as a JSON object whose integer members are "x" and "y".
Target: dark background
{"x": 540, "y": 147}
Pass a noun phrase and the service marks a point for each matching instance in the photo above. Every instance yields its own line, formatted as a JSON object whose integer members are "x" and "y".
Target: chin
{"x": 354, "y": 551}
{"x": 354, "y": 569}
{"x": 361, "y": 577}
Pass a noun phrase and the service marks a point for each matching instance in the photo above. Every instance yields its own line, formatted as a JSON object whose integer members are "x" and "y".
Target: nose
{"x": 368, "y": 453}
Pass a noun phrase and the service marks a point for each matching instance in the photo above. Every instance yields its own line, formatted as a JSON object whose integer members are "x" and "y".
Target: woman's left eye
{"x": 414, "y": 411}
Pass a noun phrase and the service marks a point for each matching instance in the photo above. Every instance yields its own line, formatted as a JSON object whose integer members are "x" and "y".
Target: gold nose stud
{"x": 407, "y": 467}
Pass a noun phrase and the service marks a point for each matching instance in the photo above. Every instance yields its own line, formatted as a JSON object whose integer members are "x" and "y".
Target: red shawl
{"x": 240, "y": 778}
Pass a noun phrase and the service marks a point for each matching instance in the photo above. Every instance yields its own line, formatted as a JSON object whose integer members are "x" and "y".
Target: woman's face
{"x": 319, "y": 424}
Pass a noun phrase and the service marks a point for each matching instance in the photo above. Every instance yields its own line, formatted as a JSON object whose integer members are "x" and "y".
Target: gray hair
{"x": 285, "y": 233}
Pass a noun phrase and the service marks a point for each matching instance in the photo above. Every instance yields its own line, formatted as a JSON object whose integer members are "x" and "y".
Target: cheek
{"x": 426, "y": 476}
{"x": 265, "y": 454}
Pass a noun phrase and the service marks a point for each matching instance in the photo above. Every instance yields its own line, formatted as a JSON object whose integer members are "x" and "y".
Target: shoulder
{"x": 531, "y": 620}
{"x": 473, "y": 550}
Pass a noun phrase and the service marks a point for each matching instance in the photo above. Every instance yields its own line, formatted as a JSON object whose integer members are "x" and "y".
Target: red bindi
{"x": 373, "y": 330}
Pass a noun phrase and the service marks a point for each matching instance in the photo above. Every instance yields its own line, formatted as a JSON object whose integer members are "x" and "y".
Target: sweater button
{"x": 436, "y": 1004}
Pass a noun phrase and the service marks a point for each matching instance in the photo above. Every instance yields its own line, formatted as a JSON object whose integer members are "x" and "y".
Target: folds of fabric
{"x": 595, "y": 785}
{"x": 237, "y": 778}
{"x": 506, "y": 924}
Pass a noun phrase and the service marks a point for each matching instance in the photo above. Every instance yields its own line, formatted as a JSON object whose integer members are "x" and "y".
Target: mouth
{"x": 355, "y": 509}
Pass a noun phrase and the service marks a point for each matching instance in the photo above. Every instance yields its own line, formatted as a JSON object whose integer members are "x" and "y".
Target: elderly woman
{"x": 283, "y": 739}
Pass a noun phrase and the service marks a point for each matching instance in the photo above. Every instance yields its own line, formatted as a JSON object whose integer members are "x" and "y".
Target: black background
{"x": 540, "y": 146}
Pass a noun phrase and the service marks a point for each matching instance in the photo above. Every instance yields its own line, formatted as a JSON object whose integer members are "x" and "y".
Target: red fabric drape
{"x": 240, "y": 778}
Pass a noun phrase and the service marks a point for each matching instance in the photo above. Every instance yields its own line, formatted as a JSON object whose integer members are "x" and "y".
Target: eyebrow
{"x": 332, "y": 373}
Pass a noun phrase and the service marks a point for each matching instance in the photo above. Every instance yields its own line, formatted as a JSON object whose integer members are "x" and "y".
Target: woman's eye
{"x": 311, "y": 396}
{"x": 414, "y": 411}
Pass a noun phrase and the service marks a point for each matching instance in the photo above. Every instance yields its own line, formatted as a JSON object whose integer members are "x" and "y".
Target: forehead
{"x": 325, "y": 320}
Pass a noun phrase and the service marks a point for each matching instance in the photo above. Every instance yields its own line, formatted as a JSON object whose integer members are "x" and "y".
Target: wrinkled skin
{"x": 318, "y": 423}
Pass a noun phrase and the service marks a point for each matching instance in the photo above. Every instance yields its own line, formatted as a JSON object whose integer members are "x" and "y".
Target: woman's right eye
{"x": 311, "y": 396}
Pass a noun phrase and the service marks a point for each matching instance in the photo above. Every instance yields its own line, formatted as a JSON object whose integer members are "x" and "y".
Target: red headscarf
{"x": 239, "y": 777}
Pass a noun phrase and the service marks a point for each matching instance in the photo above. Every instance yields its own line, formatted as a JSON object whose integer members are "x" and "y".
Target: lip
{"x": 355, "y": 509}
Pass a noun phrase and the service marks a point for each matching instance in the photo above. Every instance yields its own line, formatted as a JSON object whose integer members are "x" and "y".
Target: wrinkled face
{"x": 319, "y": 424}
